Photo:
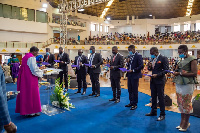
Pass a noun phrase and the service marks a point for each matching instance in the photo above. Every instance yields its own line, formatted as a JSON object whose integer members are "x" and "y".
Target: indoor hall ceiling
{"x": 161, "y": 9}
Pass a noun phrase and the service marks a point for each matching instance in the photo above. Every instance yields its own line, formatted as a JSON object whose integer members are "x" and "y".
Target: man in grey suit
{"x": 94, "y": 70}
{"x": 5, "y": 121}
{"x": 115, "y": 73}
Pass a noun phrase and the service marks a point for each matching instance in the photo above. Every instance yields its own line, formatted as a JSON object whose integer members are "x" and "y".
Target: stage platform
{"x": 98, "y": 115}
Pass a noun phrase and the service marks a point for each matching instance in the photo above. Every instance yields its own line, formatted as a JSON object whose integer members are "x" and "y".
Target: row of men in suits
{"x": 134, "y": 64}
{"x": 94, "y": 69}
{"x": 64, "y": 60}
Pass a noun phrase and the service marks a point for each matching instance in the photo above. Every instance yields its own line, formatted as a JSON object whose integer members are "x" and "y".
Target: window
{"x": 31, "y": 15}
{"x": 177, "y": 28}
{"x": 92, "y": 27}
{"x": 101, "y": 28}
{"x": 197, "y": 26}
{"x": 15, "y": 12}
{"x": 186, "y": 27}
{"x": 41, "y": 17}
{"x": 7, "y": 12}
{"x": 106, "y": 28}
{"x": 97, "y": 27}
{"x": 23, "y": 14}
{"x": 1, "y": 10}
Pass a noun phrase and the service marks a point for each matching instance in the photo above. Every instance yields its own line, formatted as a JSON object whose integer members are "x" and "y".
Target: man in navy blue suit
{"x": 80, "y": 60}
{"x": 135, "y": 65}
{"x": 158, "y": 65}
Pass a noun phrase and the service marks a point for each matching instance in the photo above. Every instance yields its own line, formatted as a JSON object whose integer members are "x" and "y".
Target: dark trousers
{"x": 94, "y": 77}
{"x": 116, "y": 88}
{"x": 157, "y": 90}
{"x": 81, "y": 78}
{"x": 133, "y": 90}
{"x": 65, "y": 77}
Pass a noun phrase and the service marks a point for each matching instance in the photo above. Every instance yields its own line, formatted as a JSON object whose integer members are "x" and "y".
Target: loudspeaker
{"x": 8, "y": 79}
{"x": 73, "y": 83}
{"x": 196, "y": 107}
{"x": 168, "y": 101}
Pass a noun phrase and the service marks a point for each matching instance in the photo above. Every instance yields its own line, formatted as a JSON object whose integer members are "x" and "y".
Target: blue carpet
{"x": 98, "y": 115}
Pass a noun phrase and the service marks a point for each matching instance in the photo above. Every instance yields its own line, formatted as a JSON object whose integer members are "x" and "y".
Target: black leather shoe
{"x": 92, "y": 94}
{"x": 83, "y": 93}
{"x": 117, "y": 100}
{"x": 151, "y": 114}
{"x": 113, "y": 99}
{"x": 133, "y": 107}
{"x": 160, "y": 118}
{"x": 129, "y": 105}
{"x": 97, "y": 95}
{"x": 77, "y": 92}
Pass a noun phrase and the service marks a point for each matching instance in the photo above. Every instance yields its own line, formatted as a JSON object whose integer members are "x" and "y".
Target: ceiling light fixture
{"x": 44, "y": 5}
{"x": 81, "y": 10}
{"x": 106, "y": 9}
{"x": 108, "y": 18}
{"x": 189, "y": 7}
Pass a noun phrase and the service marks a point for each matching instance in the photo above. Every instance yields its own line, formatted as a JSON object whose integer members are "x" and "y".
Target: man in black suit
{"x": 115, "y": 73}
{"x": 80, "y": 60}
{"x": 135, "y": 65}
{"x": 49, "y": 58}
{"x": 94, "y": 70}
{"x": 64, "y": 60}
{"x": 158, "y": 65}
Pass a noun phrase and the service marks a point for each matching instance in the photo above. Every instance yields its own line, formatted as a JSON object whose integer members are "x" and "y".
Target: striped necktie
{"x": 131, "y": 60}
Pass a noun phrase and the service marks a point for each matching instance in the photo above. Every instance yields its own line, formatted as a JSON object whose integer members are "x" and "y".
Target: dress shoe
{"x": 160, "y": 118}
{"x": 97, "y": 95}
{"x": 151, "y": 114}
{"x": 66, "y": 90}
{"x": 113, "y": 99}
{"x": 117, "y": 100}
{"x": 178, "y": 127}
{"x": 92, "y": 94}
{"x": 83, "y": 93}
{"x": 77, "y": 92}
{"x": 37, "y": 114}
{"x": 133, "y": 107}
{"x": 184, "y": 130}
{"x": 128, "y": 105}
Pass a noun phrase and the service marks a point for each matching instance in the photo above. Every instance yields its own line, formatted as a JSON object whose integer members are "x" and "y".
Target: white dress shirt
{"x": 34, "y": 68}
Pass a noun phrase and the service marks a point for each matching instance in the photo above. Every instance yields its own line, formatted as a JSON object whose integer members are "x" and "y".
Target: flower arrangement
{"x": 60, "y": 98}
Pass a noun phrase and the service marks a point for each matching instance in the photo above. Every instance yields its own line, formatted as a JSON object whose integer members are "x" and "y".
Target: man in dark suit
{"x": 49, "y": 58}
{"x": 115, "y": 73}
{"x": 80, "y": 60}
{"x": 94, "y": 70}
{"x": 64, "y": 60}
{"x": 135, "y": 65}
{"x": 158, "y": 65}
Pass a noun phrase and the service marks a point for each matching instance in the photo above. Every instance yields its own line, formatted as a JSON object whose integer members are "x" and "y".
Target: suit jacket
{"x": 51, "y": 59}
{"x": 65, "y": 59}
{"x": 118, "y": 63}
{"x": 161, "y": 65}
{"x": 97, "y": 61}
{"x": 83, "y": 60}
{"x": 4, "y": 114}
{"x": 137, "y": 65}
